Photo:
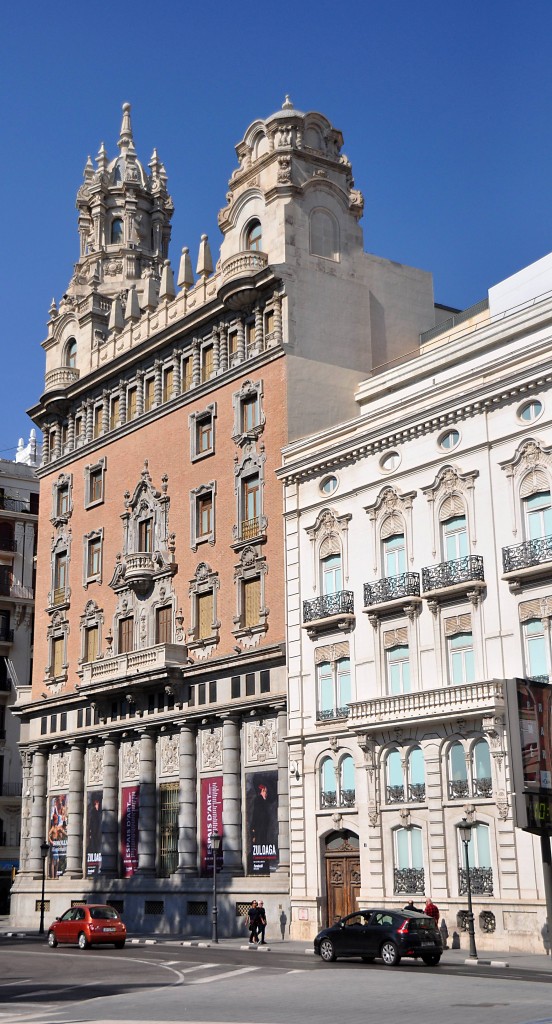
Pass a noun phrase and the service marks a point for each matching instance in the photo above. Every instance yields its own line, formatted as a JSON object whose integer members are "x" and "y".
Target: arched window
{"x": 458, "y": 773}
{"x": 482, "y": 778}
{"x": 328, "y": 783}
{"x": 254, "y": 236}
{"x": 347, "y": 782}
{"x": 116, "y": 231}
{"x": 479, "y": 859}
{"x": 71, "y": 353}
{"x": 324, "y": 235}
{"x": 416, "y": 775}
{"x": 409, "y": 861}
{"x": 394, "y": 778}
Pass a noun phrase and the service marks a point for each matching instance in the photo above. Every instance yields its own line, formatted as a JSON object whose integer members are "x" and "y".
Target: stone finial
{"x": 150, "y": 294}
{"x": 101, "y": 159}
{"x": 166, "y": 289}
{"x": 287, "y": 104}
{"x": 204, "y": 260}
{"x": 132, "y": 311}
{"x": 155, "y": 164}
{"x": 116, "y": 321}
{"x": 125, "y": 138}
{"x": 88, "y": 169}
{"x": 185, "y": 272}
{"x": 53, "y": 309}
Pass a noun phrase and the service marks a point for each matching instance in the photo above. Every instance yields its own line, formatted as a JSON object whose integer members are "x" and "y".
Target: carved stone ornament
{"x": 262, "y": 742}
{"x": 502, "y": 805}
{"x": 131, "y": 762}
{"x": 373, "y": 815}
{"x": 211, "y": 749}
{"x": 59, "y": 770}
{"x": 95, "y": 766}
{"x": 168, "y": 747}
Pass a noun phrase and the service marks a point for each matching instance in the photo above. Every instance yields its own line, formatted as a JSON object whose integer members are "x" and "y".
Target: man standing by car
{"x": 432, "y": 911}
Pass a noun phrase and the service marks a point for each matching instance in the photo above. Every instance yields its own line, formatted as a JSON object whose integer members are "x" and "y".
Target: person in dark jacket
{"x": 262, "y": 923}
{"x": 410, "y": 906}
{"x": 253, "y": 921}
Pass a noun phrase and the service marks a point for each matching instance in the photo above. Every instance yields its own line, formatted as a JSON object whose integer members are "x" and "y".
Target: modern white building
{"x": 419, "y": 576}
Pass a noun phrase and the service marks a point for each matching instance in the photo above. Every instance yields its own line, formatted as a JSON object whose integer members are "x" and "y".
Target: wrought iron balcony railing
{"x": 416, "y": 792}
{"x": 332, "y": 798}
{"x": 482, "y": 787}
{"x": 250, "y": 528}
{"x": 459, "y": 789}
{"x": 348, "y": 797}
{"x": 530, "y": 552}
{"x": 392, "y": 588}
{"x": 408, "y": 881}
{"x": 340, "y": 603}
{"x": 481, "y": 881}
{"x": 394, "y": 795}
{"x": 328, "y": 798}
{"x": 329, "y": 714}
{"x": 449, "y": 574}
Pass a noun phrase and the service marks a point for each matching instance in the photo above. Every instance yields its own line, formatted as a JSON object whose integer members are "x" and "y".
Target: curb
{"x": 472, "y": 961}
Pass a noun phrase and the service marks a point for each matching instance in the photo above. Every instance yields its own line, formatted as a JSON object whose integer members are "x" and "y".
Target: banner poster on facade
{"x": 130, "y": 809}
{"x": 57, "y": 835}
{"x": 94, "y": 832}
{"x": 261, "y": 800}
{"x": 535, "y": 719}
{"x": 211, "y": 821}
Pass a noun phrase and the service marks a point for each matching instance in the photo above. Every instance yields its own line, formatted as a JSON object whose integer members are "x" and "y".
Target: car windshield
{"x": 421, "y": 924}
{"x": 104, "y": 913}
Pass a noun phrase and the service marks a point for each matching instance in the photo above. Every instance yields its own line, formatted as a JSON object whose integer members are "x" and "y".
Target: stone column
{"x": 223, "y": 347}
{"x": 241, "y": 340}
{"x": 38, "y": 811}
{"x": 187, "y": 815}
{"x": 196, "y": 363}
{"x": 278, "y": 318}
{"x": 139, "y": 392}
{"x": 177, "y": 372}
{"x": 26, "y": 811}
{"x": 216, "y": 350}
{"x": 89, "y": 421}
{"x": 122, "y": 402}
{"x": 158, "y": 383}
{"x": 57, "y": 440}
{"x": 231, "y": 796}
{"x": 146, "y": 817}
{"x": 105, "y": 411}
{"x": 71, "y": 432}
{"x": 45, "y": 447}
{"x": 76, "y": 812}
{"x": 110, "y": 808}
{"x": 283, "y": 792}
{"x": 259, "y": 339}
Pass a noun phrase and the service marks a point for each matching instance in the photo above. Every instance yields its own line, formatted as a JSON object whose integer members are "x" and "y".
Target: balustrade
{"x": 408, "y": 881}
{"x": 530, "y": 552}
{"x": 391, "y": 588}
{"x": 481, "y": 881}
{"x": 448, "y": 574}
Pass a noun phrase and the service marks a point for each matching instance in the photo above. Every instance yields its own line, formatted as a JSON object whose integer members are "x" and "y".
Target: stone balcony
{"x": 464, "y": 701}
{"x": 60, "y": 378}
{"x": 238, "y": 276}
{"x": 528, "y": 561}
{"x": 134, "y": 666}
{"x": 140, "y": 570}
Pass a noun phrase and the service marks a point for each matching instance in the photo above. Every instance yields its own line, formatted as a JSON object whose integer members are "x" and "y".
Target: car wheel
{"x": 52, "y": 941}
{"x": 327, "y": 951}
{"x": 431, "y": 959}
{"x": 390, "y": 954}
{"x": 368, "y": 959}
{"x": 83, "y": 941}
{"x": 120, "y": 944}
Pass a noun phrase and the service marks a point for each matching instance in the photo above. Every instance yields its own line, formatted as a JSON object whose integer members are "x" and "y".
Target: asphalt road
{"x": 169, "y": 983}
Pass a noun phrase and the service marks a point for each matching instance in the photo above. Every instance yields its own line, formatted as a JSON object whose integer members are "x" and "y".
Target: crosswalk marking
{"x": 227, "y": 974}
{"x": 198, "y": 967}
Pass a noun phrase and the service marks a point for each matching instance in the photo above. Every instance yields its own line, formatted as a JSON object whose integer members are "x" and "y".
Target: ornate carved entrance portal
{"x": 342, "y": 874}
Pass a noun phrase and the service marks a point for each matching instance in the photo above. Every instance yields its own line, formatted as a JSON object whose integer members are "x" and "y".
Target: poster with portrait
{"x": 57, "y": 835}
{"x": 261, "y": 800}
{"x": 94, "y": 832}
{"x": 130, "y": 810}
{"x": 535, "y": 720}
{"x": 211, "y": 821}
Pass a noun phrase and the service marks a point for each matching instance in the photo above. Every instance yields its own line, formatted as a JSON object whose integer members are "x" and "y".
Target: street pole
{"x": 465, "y": 830}
{"x": 547, "y": 877}
{"x": 215, "y": 846}
{"x": 44, "y": 850}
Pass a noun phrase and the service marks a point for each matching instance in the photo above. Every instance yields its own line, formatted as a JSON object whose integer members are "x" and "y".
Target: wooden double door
{"x": 342, "y": 861}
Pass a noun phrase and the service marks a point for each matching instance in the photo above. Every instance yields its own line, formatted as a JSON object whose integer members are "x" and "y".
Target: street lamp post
{"x": 465, "y": 830}
{"x": 44, "y": 851}
{"x": 216, "y": 840}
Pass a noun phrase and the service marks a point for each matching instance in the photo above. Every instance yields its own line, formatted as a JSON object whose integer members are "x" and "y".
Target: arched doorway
{"x": 342, "y": 859}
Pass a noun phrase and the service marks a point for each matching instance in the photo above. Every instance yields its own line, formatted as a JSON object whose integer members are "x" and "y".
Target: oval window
{"x": 390, "y": 462}
{"x": 530, "y": 411}
{"x": 449, "y": 440}
{"x": 328, "y": 485}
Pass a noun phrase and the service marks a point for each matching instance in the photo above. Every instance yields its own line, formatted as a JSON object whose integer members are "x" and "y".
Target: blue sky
{"x": 444, "y": 107}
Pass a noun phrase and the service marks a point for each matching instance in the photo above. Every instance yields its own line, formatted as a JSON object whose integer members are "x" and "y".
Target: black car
{"x": 389, "y": 934}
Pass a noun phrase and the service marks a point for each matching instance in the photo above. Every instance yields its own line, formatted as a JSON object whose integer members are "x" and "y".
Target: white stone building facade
{"x": 419, "y": 577}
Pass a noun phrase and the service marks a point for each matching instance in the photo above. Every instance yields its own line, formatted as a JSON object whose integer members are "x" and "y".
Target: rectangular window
{"x": 43, "y": 726}
{"x": 145, "y": 535}
{"x": 461, "y": 658}
{"x": 538, "y": 515}
{"x": 91, "y": 643}
{"x": 63, "y": 721}
{"x": 57, "y": 655}
{"x": 114, "y": 413}
{"x": 63, "y": 500}
{"x": 78, "y": 428}
{"x": 455, "y": 538}
{"x": 163, "y": 626}
{"x": 334, "y": 687}
{"x": 79, "y": 718}
{"x": 53, "y": 723}
{"x": 131, "y": 403}
{"x": 168, "y": 828}
{"x": 269, "y": 321}
{"x": 250, "y": 684}
{"x": 250, "y": 334}
{"x": 95, "y": 485}
{"x": 251, "y": 602}
{"x": 535, "y": 649}
{"x": 212, "y": 691}
{"x": 204, "y": 515}
{"x": 204, "y": 615}
{"x": 149, "y": 392}
{"x": 232, "y": 345}
{"x": 265, "y": 680}
{"x": 201, "y": 694}
{"x": 398, "y": 669}
{"x": 235, "y": 686}
{"x": 168, "y": 380}
{"x": 251, "y": 507}
{"x": 332, "y": 577}
{"x": 126, "y": 639}
{"x": 187, "y": 373}
{"x": 394, "y": 555}
{"x": 204, "y": 435}
{"x": 250, "y": 413}
{"x": 206, "y": 362}
{"x": 60, "y": 577}
{"x": 94, "y": 557}
{"x": 98, "y": 416}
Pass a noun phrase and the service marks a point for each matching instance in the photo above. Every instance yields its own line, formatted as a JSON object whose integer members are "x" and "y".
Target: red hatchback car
{"x": 88, "y": 926}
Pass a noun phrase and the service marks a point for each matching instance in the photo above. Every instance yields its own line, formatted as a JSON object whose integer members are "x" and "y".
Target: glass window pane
{"x": 394, "y": 769}
{"x": 416, "y": 767}
{"x": 417, "y": 855}
{"x": 344, "y": 681}
{"x": 403, "y": 853}
{"x": 482, "y": 760}
{"x": 325, "y": 684}
{"x": 347, "y": 773}
{"x": 483, "y": 846}
{"x": 328, "y": 776}
{"x": 457, "y": 757}
{"x": 394, "y": 555}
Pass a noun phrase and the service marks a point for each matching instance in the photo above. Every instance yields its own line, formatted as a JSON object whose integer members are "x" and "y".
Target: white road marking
{"x": 227, "y": 974}
{"x": 198, "y": 967}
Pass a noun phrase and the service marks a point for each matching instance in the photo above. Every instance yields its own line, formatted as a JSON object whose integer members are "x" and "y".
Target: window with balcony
{"x": 328, "y": 783}
{"x": 126, "y": 634}
{"x": 398, "y": 669}
{"x": 409, "y": 861}
{"x": 251, "y": 507}
{"x": 331, "y": 574}
{"x": 394, "y": 778}
{"x": 394, "y": 555}
{"x": 538, "y": 515}
{"x": 482, "y": 784}
{"x": 347, "y": 787}
{"x": 536, "y": 647}
{"x": 71, "y": 353}
{"x": 254, "y": 236}
{"x": 91, "y": 643}
{"x": 457, "y": 773}
{"x": 334, "y": 689}
{"x": 145, "y": 535}
{"x": 415, "y": 769}
{"x": 461, "y": 658}
{"x": 479, "y": 860}
{"x": 455, "y": 538}
{"x": 60, "y": 577}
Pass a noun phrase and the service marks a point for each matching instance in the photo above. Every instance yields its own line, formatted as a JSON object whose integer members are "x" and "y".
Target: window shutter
{"x": 391, "y": 526}
{"x": 396, "y": 638}
{"x": 458, "y": 624}
{"x": 204, "y": 615}
{"x": 331, "y": 652}
{"x": 164, "y": 625}
{"x": 251, "y": 602}
{"x": 58, "y": 656}
{"x": 125, "y": 635}
{"x": 534, "y": 482}
{"x": 330, "y": 546}
{"x": 452, "y": 506}
{"x": 91, "y": 651}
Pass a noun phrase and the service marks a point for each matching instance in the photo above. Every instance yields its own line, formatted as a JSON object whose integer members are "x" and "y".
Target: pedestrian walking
{"x": 262, "y": 923}
{"x": 253, "y": 921}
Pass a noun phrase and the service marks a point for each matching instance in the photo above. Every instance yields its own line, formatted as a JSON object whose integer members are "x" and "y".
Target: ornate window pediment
{"x": 148, "y": 547}
{"x": 249, "y": 418}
